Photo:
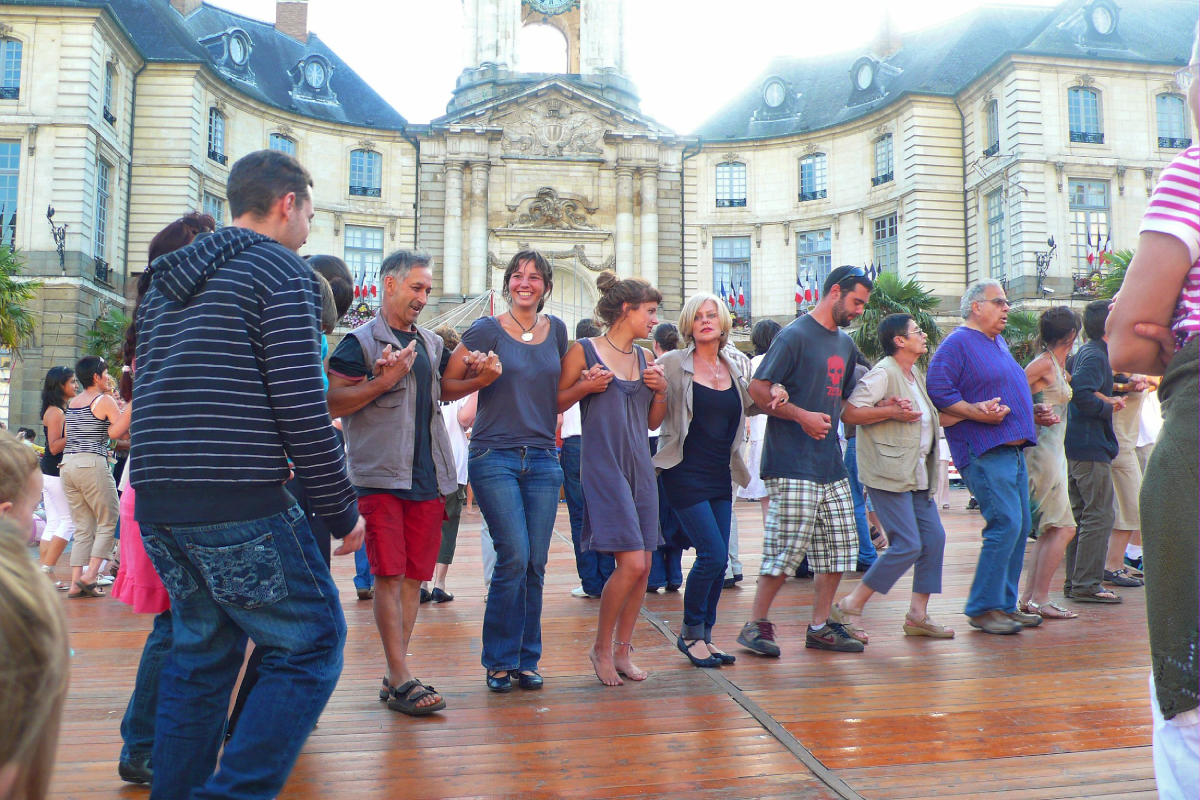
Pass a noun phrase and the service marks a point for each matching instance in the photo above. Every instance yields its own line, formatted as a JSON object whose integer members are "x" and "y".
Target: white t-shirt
{"x": 458, "y": 436}
{"x": 572, "y": 424}
{"x": 758, "y": 423}
{"x": 872, "y": 388}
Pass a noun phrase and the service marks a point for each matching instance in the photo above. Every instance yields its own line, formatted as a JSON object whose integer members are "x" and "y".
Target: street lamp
{"x": 1043, "y": 266}
{"x": 59, "y": 233}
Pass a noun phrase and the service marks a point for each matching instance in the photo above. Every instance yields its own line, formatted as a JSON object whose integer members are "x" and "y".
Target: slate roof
{"x": 946, "y": 59}
{"x": 160, "y": 33}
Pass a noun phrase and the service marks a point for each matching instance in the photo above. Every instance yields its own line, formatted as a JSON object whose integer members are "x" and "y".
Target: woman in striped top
{"x": 1154, "y": 328}
{"x": 92, "y": 418}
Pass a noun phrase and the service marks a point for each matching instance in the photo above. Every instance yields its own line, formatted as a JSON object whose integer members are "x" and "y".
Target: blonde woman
{"x": 699, "y": 453}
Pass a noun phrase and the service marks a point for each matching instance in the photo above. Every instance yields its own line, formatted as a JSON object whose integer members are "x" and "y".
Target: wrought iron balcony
{"x": 1172, "y": 143}
{"x": 109, "y": 117}
{"x": 9, "y": 92}
{"x": 218, "y": 157}
{"x": 103, "y": 271}
{"x": 992, "y": 149}
{"x": 731, "y": 202}
{"x": 819, "y": 194}
{"x": 884, "y": 178}
{"x": 1087, "y": 137}
{"x": 364, "y": 191}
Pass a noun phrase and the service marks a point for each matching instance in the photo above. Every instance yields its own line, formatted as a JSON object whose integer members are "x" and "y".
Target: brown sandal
{"x": 1047, "y": 610}
{"x": 86, "y": 590}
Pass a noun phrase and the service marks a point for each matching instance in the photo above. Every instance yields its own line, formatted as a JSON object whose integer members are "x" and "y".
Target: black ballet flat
{"x": 709, "y": 663}
{"x": 724, "y": 658}
{"x": 499, "y": 683}
{"x": 530, "y": 681}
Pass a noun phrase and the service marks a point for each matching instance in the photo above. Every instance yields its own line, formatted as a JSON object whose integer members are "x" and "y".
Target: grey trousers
{"x": 916, "y": 539}
{"x": 1091, "y": 489}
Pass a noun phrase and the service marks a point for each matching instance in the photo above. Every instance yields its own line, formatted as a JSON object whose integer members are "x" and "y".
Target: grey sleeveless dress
{"x": 620, "y": 493}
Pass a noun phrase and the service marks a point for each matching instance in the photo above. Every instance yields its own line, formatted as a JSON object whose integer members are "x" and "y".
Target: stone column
{"x": 650, "y": 225}
{"x": 452, "y": 231}
{"x": 624, "y": 244}
{"x": 477, "y": 263}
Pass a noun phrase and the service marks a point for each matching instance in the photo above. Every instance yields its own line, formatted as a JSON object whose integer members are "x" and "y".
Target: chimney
{"x": 185, "y": 7}
{"x": 887, "y": 41}
{"x": 291, "y": 18}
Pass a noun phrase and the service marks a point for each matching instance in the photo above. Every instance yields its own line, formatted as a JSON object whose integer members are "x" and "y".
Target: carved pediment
{"x": 548, "y": 210}
{"x": 552, "y": 128}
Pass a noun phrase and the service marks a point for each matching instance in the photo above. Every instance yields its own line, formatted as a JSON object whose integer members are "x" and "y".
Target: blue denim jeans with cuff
{"x": 137, "y": 727}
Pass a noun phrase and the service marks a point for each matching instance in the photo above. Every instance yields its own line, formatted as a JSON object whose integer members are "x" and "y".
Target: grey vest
{"x": 889, "y": 452}
{"x": 380, "y": 437}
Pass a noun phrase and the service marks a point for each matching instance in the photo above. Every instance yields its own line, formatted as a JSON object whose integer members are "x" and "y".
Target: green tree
{"x": 894, "y": 296}
{"x": 1118, "y": 263}
{"x": 107, "y": 338}
{"x": 16, "y": 320}
{"x": 1021, "y": 335}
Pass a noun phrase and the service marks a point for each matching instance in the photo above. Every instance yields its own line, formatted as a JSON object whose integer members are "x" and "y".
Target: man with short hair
{"x": 811, "y": 508}
{"x": 385, "y": 384}
{"x": 974, "y": 380}
{"x": 1091, "y": 445}
{"x": 229, "y": 388}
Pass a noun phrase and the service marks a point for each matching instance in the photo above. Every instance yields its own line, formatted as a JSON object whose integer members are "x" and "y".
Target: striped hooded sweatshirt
{"x": 228, "y": 388}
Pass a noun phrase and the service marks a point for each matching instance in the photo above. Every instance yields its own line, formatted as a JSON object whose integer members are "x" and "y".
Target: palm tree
{"x": 107, "y": 339}
{"x": 1118, "y": 263}
{"x": 894, "y": 296}
{"x": 1022, "y": 335}
{"x": 16, "y": 320}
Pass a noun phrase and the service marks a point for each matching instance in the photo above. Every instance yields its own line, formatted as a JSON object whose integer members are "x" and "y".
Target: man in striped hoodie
{"x": 228, "y": 389}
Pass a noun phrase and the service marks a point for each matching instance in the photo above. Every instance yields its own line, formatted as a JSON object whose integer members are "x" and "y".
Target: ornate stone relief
{"x": 576, "y": 253}
{"x": 1085, "y": 80}
{"x": 547, "y": 210}
{"x": 5, "y": 29}
{"x": 552, "y": 129}
{"x": 732, "y": 156}
{"x": 366, "y": 144}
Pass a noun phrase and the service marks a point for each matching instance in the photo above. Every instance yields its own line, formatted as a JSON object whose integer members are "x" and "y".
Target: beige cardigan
{"x": 679, "y": 371}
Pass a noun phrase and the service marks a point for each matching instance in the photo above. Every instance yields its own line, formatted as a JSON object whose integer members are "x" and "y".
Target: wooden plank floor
{"x": 1059, "y": 711}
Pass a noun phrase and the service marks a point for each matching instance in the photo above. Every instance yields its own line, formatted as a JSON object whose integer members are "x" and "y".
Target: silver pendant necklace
{"x": 526, "y": 333}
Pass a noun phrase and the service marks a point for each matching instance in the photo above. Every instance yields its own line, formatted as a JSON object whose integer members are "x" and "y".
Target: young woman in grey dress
{"x": 621, "y": 393}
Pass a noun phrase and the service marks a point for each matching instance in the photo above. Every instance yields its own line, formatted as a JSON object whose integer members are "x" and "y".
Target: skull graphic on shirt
{"x": 837, "y": 371}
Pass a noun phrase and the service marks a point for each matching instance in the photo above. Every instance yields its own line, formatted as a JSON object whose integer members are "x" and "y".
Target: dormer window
{"x": 310, "y": 79}
{"x": 1101, "y": 16}
{"x": 230, "y": 51}
{"x": 239, "y": 48}
{"x": 774, "y": 93}
{"x": 863, "y": 73}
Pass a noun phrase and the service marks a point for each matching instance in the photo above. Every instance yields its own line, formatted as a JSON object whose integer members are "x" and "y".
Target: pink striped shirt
{"x": 1174, "y": 209}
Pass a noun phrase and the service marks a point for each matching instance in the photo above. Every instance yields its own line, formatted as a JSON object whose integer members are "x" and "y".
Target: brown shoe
{"x": 995, "y": 621}
{"x": 926, "y": 627}
{"x": 1023, "y": 619}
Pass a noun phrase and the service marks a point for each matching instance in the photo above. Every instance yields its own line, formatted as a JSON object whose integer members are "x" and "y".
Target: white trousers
{"x": 1176, "y": 752}
{"x": 58, "y": 512}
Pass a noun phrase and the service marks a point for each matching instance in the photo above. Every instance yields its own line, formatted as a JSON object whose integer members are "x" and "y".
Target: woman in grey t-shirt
{"x": 513, "y": 463}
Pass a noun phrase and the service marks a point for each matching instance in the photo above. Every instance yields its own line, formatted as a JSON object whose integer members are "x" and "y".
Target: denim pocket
{"x": 247, "y": 575}
{"x": 178, "y": 583}
{"x": 477, "y": 452}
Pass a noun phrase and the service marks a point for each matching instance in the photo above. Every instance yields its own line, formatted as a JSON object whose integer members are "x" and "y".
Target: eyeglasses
{"x": 914, "y": 333}
{"x": 999, "y": 302}
{"x": 1185, "y": 77}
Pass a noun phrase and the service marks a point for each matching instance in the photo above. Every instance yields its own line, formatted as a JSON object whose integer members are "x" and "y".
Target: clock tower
{"x": 592, "y": 30}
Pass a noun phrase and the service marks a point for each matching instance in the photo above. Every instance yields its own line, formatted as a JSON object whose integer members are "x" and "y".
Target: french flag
{"x": 741, "y": 295}
{"x": 799, "y": 291}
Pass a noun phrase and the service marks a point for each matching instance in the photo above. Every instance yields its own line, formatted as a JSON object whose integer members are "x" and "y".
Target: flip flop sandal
{"x": 86, "y": 590}
{"x": 1095, "y": 598}
{"x": 405, "y": 697}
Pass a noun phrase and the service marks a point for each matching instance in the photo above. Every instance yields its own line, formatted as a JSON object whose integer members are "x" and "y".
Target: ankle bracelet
{"x": 623, "y": 644}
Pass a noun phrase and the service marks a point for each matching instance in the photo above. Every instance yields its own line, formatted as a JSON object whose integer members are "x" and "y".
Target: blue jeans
{"x": 666, "y": 568}
{"x": 999, "y": 482}
{"x": 707, "y": 525}
{"x": 137, "y": 728}
{"x": 593, "y": 568}
{"x": 363, "y": 579}
{"x": 866, "y": 548}
{"x": 517, "y": 490}
{"x": 263, "y": 579}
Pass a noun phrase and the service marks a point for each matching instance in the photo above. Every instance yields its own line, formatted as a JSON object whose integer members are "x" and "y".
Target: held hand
{"x": 596, "y": 379}
{"x": 354, "y": 539}
{"x": 474, "y": 360}
{"x": 398, "y": 365}
{"x": 815, "y": 424}
{"x": 779, "y": 396}
{"x": 991, "y": 411}
{"x": 1117, "y": 403}
{"x": 1043, "y": 414}
{"x": 489, "y": 368}
{"x": 1161, "y": 335}
{"x": 654, "y": 379}
{"x": 902, "y": 412}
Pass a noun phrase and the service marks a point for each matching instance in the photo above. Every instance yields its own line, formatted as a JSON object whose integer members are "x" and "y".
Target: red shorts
{"x": 403, "y": 536}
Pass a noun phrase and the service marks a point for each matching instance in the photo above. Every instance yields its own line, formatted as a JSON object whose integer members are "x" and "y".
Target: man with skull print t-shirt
{"x": 811, "y": 509}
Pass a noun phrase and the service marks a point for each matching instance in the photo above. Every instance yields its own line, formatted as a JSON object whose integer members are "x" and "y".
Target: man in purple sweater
{"x": 989, "y": 417}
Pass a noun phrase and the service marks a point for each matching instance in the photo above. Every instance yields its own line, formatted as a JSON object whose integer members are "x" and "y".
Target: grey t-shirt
{"x": 520, "y": 409}
{"x": 816, "y": 365}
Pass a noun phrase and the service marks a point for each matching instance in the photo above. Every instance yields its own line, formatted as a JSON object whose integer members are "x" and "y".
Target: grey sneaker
{"x": 758, "y": 635}
{"x": 832, "y": 636}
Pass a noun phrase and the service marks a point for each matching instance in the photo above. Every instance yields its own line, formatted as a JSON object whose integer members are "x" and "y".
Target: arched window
{"x": 216, "y": 136}
{"x": 542, "y": 48}
{"x": 277, "y": 141}
{"x": 812, "y": 177}
{"x": 1172, "y": 122}
{"x": 731, "y": 185}
{"x": 992, "y": 123}
{"x": 1083, "y": 110}
{"x": 884, "y": 169}
{"x": 10, "y": 69}
{"x": 366, "y": 173}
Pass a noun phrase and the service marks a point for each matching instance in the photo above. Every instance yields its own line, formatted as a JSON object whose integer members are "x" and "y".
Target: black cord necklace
{"x": 628, "y": 352}
{"x": 526, "y": 333}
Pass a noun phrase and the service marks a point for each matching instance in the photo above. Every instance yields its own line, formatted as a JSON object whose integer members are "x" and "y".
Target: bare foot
{"x": 623, "y": 661}
{"x": 605, "y": 671}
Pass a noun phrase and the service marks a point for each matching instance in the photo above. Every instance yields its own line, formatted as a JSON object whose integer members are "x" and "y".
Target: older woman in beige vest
{"x": 898, "y": 461}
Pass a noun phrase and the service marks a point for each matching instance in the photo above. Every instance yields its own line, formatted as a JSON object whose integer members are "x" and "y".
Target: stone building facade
{"x": 944, "y": 155}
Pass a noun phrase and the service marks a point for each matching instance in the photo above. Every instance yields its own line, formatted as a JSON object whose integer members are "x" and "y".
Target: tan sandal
{"x": 842, "y": 616}
{"x": 926, "y": 627}
{"x": 1048, "y": 610}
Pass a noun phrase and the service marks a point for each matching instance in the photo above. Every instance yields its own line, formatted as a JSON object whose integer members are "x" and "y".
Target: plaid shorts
{"x": 813, "y": 518}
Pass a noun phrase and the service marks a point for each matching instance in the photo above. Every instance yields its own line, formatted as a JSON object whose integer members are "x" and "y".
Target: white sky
{"x": 687, "y": 57}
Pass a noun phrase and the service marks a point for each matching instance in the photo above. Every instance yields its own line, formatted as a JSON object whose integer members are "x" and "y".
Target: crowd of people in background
{"x": 376, "y": 443}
